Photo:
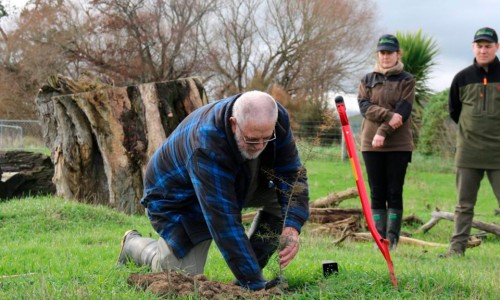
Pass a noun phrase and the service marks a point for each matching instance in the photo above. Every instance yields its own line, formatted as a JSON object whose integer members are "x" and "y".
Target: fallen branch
{"x": 334, "y": 199}
{"x": 344, "y": 234}
{"x": 17, "y": 275}
{"x": 363, "y": 236}
{"x": 342, "y": 226}
{"x": 366, "y": 236}
{"x": 320, "y": 215}
{"x": 427, "y": 226}
{"x": 439, "y": 215}
{"x": 331, "y": 215}
{"x": 412, "y": 219}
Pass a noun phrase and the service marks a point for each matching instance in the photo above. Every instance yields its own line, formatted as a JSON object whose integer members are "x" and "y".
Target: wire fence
{"x": 327, "y": 142}
{"x": 21, "y": 135}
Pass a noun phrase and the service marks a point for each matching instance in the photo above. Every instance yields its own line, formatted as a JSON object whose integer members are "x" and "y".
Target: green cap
{"x": 388, "y": 42}
{"x": 486, "y": 34}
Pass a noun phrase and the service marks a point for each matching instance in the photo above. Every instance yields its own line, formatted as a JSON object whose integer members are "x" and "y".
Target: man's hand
{"x": 378, "y": 141}
{"x": 289, "y": 245}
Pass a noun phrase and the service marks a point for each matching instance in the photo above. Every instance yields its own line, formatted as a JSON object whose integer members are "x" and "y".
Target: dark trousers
{"x": 468, "y": 182}
{"x": 386, "y": 176}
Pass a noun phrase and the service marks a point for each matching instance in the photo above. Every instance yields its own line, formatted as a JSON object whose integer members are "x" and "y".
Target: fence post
{"x": 343, "y": 153}
{"x": 20, "y": 135}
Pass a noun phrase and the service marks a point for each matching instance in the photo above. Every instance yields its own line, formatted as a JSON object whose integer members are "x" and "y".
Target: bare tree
{"x": 231, "y": 43}
{"x": 316, "y": 44}
{"x": 30, "y": 55}
{"x": 127, "y": 41}
{"x": 137, "y": 41}
{"x": 306, "y": 47}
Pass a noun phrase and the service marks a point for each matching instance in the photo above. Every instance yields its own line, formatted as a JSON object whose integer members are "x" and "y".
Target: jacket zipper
{"x": 485, "y": 84}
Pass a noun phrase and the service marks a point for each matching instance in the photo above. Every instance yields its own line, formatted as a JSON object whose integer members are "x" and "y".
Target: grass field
{"x": 58, "y": 249}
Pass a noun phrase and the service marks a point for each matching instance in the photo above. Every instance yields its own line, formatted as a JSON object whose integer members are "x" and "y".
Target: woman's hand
{"x": 396, "y": 121}
{"x": 378, "y": 141}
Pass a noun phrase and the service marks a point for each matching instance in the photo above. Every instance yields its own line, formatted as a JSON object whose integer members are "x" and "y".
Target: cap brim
{"x": 387, "y": 48}
{"x": 484, "y": 38}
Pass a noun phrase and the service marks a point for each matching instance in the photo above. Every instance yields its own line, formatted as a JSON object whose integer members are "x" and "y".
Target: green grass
{"x": 58, "y": 249}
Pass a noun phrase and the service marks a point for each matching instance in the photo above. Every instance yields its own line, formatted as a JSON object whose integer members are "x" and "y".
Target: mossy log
{"x": 26, "y": 174}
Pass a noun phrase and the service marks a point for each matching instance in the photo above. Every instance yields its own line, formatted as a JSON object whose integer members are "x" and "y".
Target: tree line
{"x": 298, "y": 50}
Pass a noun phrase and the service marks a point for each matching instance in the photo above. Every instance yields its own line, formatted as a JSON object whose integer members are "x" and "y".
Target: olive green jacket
{"x": 474, "y": 104}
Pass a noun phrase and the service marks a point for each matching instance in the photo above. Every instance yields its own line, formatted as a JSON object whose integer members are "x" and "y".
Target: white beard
{"x": 247, "y": 155}
{"x": 241, "y": 147}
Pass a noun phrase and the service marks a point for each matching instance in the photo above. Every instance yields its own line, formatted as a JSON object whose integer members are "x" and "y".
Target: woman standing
{"x": 385, "y": 100}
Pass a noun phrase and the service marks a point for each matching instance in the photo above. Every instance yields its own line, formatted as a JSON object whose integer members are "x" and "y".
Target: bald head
{"x": 255, "y": 107}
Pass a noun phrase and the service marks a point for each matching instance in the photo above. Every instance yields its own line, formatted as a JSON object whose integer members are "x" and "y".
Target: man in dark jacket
{"x": 234, "y": 153}
{"x": 474, "y": 104}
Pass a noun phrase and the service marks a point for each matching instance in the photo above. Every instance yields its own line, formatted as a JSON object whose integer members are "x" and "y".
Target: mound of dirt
{"x": 168, "y": 284}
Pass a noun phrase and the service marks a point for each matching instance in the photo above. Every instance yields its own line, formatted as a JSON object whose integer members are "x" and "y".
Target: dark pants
{"x": 386, "y": 175}
{"x": 468, "y": 182}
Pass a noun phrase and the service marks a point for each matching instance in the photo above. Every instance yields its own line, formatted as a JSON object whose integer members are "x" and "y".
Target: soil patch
{"x": 169, "y": 284}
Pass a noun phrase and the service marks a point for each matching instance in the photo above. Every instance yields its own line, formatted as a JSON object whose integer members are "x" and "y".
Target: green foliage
{"x": 317, "y": 122}
{"x": 419, "y": 55}
{"x": 434, "y": 123}
{"x": 57, "y": 249}
{"x": 3, "y": 12}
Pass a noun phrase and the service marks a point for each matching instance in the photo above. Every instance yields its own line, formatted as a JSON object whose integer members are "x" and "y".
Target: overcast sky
{"x": 451, "y": 23}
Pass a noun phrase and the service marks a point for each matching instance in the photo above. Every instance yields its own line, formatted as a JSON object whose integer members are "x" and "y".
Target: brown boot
{"x": 452, "y": 252}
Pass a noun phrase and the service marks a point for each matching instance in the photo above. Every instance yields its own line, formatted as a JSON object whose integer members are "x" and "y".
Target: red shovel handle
{"x": 382, "y": 243}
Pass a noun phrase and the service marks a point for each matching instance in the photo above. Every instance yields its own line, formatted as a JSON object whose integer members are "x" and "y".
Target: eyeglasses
{"x": 253, "y": 141}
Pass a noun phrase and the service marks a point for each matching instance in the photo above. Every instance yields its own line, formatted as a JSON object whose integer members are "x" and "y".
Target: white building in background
{"x": 350, "y": 100}
{"x": 352, "y": 109}
{"x": 353, "y": 114}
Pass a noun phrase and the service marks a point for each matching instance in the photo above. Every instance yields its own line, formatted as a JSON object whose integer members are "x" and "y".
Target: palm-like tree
{"x": 419, "y": 54}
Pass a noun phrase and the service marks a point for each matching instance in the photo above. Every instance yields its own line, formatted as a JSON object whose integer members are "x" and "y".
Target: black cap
{"x": 486, "y": 34}
{"x": 388, "y": 42}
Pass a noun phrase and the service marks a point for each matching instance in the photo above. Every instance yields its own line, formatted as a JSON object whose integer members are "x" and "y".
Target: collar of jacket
{"x": 493, "y": 66}
{"x": 229, "y": 130}
{"x": 396, "y": 69}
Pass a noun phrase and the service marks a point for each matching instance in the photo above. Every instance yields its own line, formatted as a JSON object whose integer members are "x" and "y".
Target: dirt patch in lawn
{"x": 169, "y": 284}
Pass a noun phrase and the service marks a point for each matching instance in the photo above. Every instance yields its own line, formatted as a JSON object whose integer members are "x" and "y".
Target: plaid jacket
{"x": 196, "y": 182}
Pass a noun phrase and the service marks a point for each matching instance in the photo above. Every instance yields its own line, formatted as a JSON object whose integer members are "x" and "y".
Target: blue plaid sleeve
{"x": 214, "y": 182}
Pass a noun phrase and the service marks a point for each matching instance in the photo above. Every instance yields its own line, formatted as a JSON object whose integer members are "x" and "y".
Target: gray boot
{"x": 137, "y": 249}
{"x": 380, "y": 219}
{"x": 264, "y": 236}
{"x": 394, "y": 219}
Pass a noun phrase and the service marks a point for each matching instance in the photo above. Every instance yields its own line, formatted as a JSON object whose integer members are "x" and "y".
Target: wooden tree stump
{"x": 101, "y": 137}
